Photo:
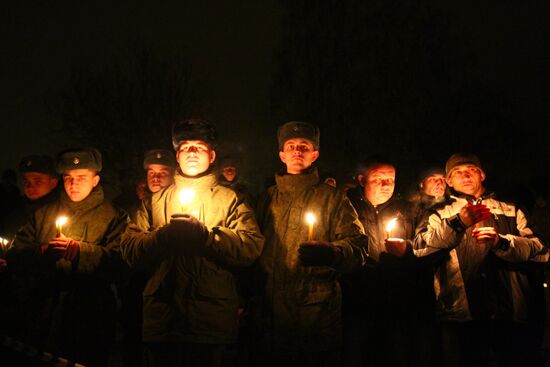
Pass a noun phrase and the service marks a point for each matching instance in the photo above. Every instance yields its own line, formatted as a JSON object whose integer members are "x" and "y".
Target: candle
{"x": 390, "y": 226}
{"x": 59, "y": 225}
{"x": 3, "y": 245}
{"x": 186, "y": 196}
{"x": 310, "y": 219}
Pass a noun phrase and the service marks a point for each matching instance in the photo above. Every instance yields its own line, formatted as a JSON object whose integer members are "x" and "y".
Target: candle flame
{"x": 3, "y": 241}
{"x": 310, "y": 218}
{"x": 186, "y": 196}
{"x": 61, "y": 221}
{"x": 391, "y": 224}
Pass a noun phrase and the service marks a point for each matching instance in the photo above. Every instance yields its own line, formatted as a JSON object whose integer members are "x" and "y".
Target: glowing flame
{"x": 60, "y": 222}
{"x": 3, "y": 241}
{"x": 186, "y": 196}
{"x": 310, "y": 218}
{"x": 391, "y": 225}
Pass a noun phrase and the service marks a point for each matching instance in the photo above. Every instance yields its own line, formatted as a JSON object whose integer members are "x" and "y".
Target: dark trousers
{"x": 488, "y": 343}
{"x": 184, "y": 355}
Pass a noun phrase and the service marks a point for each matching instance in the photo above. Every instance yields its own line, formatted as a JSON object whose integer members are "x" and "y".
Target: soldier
{"x": 159, "y": 165}
{"x": 486, "y": 288}
{"x": 71, "y": 305}
{"x": 229, "y": 175}
{"x": 192, "y": 249}
{"x": 302, "y": 296}
{"x": 39, "y": 187}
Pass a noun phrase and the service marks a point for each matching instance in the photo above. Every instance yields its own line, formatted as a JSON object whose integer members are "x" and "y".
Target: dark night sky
{"x": 233, "y": 48}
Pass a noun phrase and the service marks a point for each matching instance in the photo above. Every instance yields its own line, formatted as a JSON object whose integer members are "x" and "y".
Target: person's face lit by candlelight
{"x": 298, "y": 155}
{"x": 37, "y": 185}
{"x": 434, "y": 185}
{"x": 378, "y": 183}
{"x": 467, "y": 179}
{"x": 79, "y": 183}
{"x": 195, "y": 157}
{"x": 159, "y": 176}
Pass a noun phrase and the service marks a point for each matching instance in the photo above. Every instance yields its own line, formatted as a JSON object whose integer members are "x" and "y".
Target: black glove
{"x": 184, "y": 235}
{"x": 316, "y": 253}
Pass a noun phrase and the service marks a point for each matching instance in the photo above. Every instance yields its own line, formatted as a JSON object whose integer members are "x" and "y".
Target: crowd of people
{"x": 193, "y": 271}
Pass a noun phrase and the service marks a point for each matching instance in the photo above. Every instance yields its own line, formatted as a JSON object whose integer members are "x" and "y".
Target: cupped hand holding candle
{"x": 59, "y": 223}
{"x": 310, "y": 220}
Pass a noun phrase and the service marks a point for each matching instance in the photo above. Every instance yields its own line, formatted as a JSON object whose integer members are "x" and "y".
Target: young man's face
{"x": 298, "y": 155}
{"x": 195, "y": 157}
{"x": 379, "y": 183}
{"x": 229, "y": 173}
{"x": 434, "y": 185}
{"x": 467, "y": 179}
{"x": 79, "y": 183}
{"x": 159, "y": 176}
{"x": 37, "y": 185}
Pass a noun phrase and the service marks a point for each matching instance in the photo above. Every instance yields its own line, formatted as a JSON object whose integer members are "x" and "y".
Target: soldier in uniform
{"x": 71, "y": 304}
{"x": 192, "y": 250}
{"x": 302, "y": 297}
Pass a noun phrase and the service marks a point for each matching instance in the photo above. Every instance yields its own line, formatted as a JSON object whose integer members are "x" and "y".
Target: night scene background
{"x": 413, "y": 80}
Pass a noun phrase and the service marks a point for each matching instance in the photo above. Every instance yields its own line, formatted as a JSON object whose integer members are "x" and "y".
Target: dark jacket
{"x": 193, "y": 298}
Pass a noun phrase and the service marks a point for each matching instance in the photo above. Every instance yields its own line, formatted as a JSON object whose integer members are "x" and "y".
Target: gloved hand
{"x": 69, "y": 247}
{"x": 184, "y": 235}
{"x": 471, "y": 214}
{"x": 317, "y": 253}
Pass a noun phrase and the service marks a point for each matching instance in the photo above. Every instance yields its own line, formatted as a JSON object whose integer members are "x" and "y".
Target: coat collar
{"x": 296, "y": 183}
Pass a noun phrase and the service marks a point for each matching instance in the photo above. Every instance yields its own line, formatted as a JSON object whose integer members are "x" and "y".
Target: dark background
{"x": 414, "y": 80}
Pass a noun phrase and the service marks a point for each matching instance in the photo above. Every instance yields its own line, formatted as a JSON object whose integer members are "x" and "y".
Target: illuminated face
{"x": 467, "y": 179}
{"x": 37, "y": 185}
{"x": 379, "y": 184}
{"x": 434, "y": 185}
{"x": 159, "y": 176}
{"x": 298, "y": 155}
{"x": 195, "y": 157}
{"x": 229, "y": 173}
{"x": 79, "y": 183}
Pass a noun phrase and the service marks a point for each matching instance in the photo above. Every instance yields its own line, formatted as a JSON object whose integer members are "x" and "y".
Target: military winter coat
{"x": 193, "y": 298}
{"x": 70, "y": 303}
{"x": 474, "y": 281}
{"x": 303, "y": 303}
{"x": 94, "y": 222}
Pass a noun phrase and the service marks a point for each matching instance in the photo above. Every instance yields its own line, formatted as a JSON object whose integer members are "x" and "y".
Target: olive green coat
{"x": 193, "y": 298}
{"x": 95, "y": 222}
{"x": 303, "y": 303}
{"x": 70, "y": 304}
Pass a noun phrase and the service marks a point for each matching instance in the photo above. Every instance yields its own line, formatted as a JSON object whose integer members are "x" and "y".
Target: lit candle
{"x": 186, "y": 196}
{"x": 3, "y": 245}
{"x": 310, "y": 219}
{"x": 390, "y": 226}
{"x": 59, "y": 225}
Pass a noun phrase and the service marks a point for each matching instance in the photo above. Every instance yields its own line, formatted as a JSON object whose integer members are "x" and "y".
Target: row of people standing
{"x": 197, "y": 257}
